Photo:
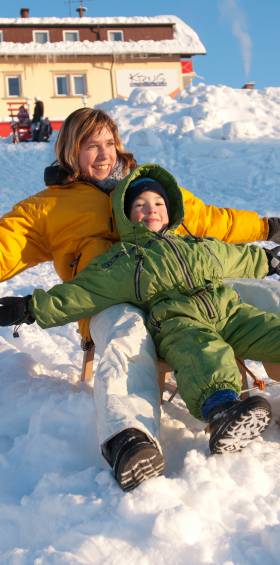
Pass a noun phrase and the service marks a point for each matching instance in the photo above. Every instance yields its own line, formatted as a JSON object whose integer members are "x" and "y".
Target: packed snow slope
{"x": 59, "y": 503}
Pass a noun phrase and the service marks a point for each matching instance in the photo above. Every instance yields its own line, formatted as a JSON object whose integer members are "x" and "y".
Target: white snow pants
{"x": 126, "y": 390}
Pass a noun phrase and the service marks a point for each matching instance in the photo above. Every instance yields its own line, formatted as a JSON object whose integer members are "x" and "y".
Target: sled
{"x": 165, "y": 374}
{"x": 21, "y": 132}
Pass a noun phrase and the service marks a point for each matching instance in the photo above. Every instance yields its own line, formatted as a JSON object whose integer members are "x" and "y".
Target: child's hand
{"x": 14, "y": 310}
{"x": 273, "y": 258}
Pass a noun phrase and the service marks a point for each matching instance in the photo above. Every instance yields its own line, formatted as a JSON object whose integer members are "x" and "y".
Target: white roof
{"x": 185, "y": 42}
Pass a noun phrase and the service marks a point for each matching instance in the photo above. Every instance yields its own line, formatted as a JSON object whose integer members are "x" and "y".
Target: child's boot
{"x": 134, "y": 457}
{"x": 233, "y": 424}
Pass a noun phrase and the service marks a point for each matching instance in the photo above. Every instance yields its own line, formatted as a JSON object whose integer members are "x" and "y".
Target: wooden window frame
{"x": 65, "y": 31}
{"x": 109, "y": 31}
{"x": 7, "y": 77}
{"x": 70, "y": 83}
{"x": 34, "y": 31}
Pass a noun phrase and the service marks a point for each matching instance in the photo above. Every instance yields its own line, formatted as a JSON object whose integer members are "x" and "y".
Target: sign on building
{"x": 163, "y": 81}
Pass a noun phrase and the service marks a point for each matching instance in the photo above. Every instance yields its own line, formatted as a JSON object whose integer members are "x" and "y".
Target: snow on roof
{"x": 185, "y": 42}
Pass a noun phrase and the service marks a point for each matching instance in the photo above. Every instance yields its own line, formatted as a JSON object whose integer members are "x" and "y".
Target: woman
{"x": 71, "y": 222}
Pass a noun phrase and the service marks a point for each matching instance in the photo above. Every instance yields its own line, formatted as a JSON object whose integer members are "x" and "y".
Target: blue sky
{"x": 241, "y": 36}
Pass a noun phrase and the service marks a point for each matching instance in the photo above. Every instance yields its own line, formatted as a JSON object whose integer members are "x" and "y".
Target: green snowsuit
{"x": 198, "y": 323}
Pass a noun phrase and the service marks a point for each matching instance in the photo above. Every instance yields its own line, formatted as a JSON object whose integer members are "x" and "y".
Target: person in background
{"x": 46, "y": 130}
{"x": 70, "y": 222}
{"x": 23, "y": 116}
{"x": 38, "y": 113}
{"x": 198, "y": 324}
{"x": 37, "y": 119}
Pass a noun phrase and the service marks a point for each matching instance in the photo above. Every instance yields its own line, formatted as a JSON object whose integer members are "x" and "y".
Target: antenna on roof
{"x": 81, "y": 9}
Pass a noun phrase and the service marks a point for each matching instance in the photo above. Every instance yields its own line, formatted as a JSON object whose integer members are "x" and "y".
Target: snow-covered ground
{"x": 58, "y": 501}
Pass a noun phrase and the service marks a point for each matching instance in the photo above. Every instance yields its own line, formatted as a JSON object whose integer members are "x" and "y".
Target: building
{"x": 71, "y": 62}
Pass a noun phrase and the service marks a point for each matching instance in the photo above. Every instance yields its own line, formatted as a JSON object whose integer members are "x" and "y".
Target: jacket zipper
{"x": 207, "y": 303}
{"x": 200, "y": 296}
{"x": 137, "y": 274}
{"x": 213, "y": 255}
{"x": 181, "y": 262}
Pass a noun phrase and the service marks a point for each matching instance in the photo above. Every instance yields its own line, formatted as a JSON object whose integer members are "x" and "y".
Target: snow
{"x": 185, "y": 42}
{"x": 58, "y": 500}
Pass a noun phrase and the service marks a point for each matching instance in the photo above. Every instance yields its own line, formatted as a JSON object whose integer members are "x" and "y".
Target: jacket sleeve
{"x": 227, "y": 224}
{"x": 93, "y": 290}
{"x": 22, "y": 243}
{"x": 235, "y": 261}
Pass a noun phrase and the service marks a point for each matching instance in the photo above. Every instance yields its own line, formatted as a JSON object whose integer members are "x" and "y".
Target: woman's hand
{"x": 15, "y": 310}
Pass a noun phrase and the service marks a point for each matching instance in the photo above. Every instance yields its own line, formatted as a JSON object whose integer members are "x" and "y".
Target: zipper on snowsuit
{"x": 137, "y": 274}
{"x": 213, "y": 254}
{"x": 202, "y": 296}
{"x": 181, "y": 261}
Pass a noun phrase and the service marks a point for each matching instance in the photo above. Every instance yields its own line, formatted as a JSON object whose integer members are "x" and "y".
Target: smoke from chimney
{"x": 234, "y": 13}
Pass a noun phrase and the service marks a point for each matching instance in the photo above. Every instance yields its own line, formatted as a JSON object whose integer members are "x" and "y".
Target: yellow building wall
{"x": 102, "y": 75}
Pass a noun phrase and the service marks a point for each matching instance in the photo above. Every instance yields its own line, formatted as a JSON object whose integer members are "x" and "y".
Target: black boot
{"x": 234, "y": 424}
{"x": 134, "y": 457}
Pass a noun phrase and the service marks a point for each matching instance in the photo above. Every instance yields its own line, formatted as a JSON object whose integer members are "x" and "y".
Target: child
{"x": 197, "y": 322}
{"x": 23, "y": 116}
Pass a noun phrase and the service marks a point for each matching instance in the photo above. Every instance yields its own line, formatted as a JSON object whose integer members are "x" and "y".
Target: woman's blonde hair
{"x": 77, "y": 127}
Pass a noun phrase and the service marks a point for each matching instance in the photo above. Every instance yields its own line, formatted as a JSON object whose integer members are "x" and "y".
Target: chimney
{"x": 24, "y": 12}
{"x": 81, "y": 10}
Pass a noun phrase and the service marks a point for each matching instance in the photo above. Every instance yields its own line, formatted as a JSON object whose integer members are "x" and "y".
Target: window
{"x": 70, "y": 85}
{"x": 62, "y": 85}
{"x": 41, "y": 36}
{"x": 13, "y": 85}
{"x": 71, "y": 35}
{"x": 115, "y": 35}
{"x": 79, "y": 84}
{"x": 1, "y": 36}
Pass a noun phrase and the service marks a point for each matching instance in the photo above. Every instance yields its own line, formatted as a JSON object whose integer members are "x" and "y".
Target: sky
{"x": 241, "y": 36}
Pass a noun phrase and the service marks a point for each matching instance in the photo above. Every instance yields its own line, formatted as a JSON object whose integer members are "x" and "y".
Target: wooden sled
{"x": 166, "y": 382}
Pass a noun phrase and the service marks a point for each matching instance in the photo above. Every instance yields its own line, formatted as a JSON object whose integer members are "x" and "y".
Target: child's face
{"x": 150, "y": 208}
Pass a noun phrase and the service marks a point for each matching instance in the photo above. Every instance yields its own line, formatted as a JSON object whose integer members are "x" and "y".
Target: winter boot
{"x": 134, "y": 457}
{"x": 234, "y": 424}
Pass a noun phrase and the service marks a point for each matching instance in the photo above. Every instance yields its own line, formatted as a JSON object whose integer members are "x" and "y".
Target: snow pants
{"x": 202, "y": 352}
{"x": 126, "y": 390}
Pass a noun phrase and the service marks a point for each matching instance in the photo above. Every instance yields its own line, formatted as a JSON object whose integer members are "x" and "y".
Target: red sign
{"x": 186, "y": 67}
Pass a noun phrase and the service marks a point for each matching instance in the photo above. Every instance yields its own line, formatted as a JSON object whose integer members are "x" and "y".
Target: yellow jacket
{"x": 71, "y": 224}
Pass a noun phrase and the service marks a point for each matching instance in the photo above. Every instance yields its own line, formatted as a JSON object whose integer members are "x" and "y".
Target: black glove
{"x": 274, "y": 229}
{"x": 273, "y": 257}
{"x": 14, "y": 310}
{"x": 56, "y": 174}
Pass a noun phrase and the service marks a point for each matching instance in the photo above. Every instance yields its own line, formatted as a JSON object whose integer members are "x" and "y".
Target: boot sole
{"x": 137, "y": 465}
{"x": 247, "y": 425}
